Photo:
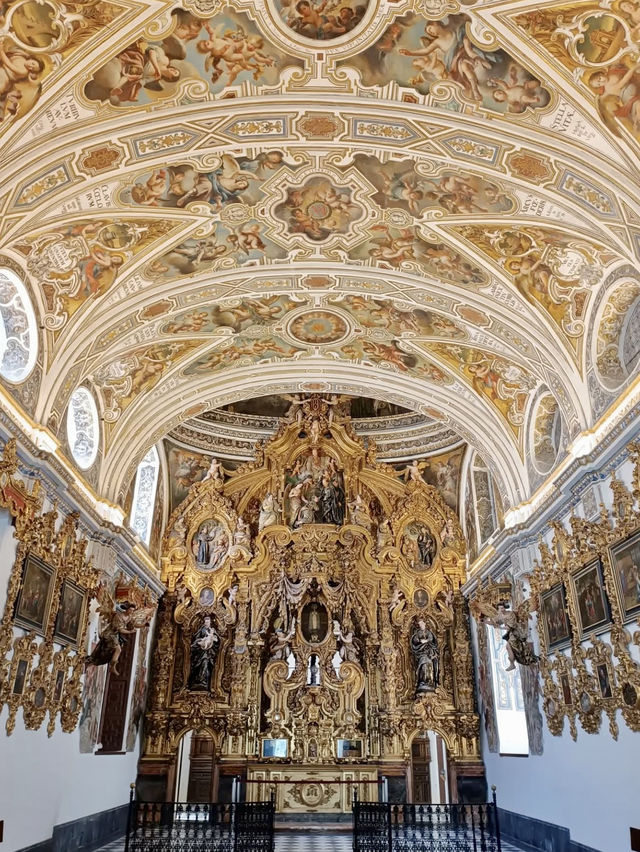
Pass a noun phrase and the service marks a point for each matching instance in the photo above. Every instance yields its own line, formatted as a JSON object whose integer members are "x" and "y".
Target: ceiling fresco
{"x": 433, "y": 203}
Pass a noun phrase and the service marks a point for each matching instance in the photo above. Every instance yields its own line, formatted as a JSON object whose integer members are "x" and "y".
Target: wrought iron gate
{"x": 208, "y": 827}
{"x": 383, "y": 827}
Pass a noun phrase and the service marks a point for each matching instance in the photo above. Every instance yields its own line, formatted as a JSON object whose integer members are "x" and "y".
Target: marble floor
{"x": 290, "y": 841}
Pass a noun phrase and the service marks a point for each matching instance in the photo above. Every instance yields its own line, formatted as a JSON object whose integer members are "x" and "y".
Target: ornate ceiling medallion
{"x": 318, "y": 328}
{"x": 322, "y": 206}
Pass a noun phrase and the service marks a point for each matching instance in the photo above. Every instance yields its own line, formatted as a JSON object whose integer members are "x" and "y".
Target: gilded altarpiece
{"x": 313, "y": 624}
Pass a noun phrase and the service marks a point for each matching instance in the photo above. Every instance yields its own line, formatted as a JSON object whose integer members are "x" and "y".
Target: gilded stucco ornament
{"x": 594, "y": 672}
{"x": 40, "y": 672}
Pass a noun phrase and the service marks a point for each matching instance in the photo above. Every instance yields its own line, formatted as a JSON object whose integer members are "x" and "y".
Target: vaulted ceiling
{"x": 433, "y": 203}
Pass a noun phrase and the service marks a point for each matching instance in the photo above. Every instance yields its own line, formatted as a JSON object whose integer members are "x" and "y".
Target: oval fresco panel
{"x": 322, "y": 21}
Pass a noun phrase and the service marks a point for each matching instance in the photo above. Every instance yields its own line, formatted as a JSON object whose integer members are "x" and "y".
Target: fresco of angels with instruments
{"x": 324, "y": 20}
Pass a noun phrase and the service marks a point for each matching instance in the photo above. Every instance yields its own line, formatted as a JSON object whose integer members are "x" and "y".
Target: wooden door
{"x": 421, "y": 761}
{"x": 115, "y": 704}
{"x": 200, "y": 769}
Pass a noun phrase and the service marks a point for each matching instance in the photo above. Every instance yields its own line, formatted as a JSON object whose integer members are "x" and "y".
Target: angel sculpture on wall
{"x": 519, "y": 648}
{"x": 280, "y": 647}
{"x": 413, "y": 471}
{"x": 215, "y": 472}
{"x": 116, "y": 620}
{"x": 347, "y": 647}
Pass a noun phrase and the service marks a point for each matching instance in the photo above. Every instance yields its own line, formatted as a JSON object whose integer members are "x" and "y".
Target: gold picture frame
{"x": 33, "y": 604}
{"x": 592, "y": 606}
{"x": 625, "y": 563}
{"x": 71, "y": 612}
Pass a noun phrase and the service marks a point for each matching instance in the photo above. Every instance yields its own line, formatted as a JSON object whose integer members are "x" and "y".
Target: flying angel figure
{"x": 230, "y": 180}
{"x": 515, "y": 623}
{"x": 116, "y": 620}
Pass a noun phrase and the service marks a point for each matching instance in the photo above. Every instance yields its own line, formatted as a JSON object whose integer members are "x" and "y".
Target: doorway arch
{"x": 196, "y": 776}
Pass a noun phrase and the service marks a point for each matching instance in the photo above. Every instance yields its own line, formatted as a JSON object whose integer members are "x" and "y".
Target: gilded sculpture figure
{"x": 514, "y": 622}
{"x": 426, "y": 655}
{"x": 117, "y": 620}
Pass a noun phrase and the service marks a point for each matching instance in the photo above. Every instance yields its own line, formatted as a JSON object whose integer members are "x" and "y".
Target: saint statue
{"x": 204, "y": 649}
{"x": 268, "y": 512}
{"x": 360, "y": 513}
{"x": 332, "y": 499}
{"x": 242, "y": 534}
{"x": 314, "y": 625}
{"x": 384, "y": 536}
{"x": 424, "y": 648}
{"x": 426, "y": 547}
{"x": 313, "y": 671}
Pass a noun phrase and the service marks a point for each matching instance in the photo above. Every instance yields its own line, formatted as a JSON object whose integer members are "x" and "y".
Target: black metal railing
{"x": 203, "y": 827}
{"x": 384, "y": 827}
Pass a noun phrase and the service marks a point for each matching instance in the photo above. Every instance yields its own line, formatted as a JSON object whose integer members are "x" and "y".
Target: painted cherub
{"x": 517, "y": 95}
{"x": 428, "y": 58}
{"x": 152, "y": 190}
{"x": 16, "y": 66}
{"x": 618, "y": 90}
{"x": 393, "y": 250}
{"x": 246, "y": 238}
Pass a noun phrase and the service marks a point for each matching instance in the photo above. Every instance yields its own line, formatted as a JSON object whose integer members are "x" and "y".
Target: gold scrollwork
{"x": 592, "y": 676}
{"x": 34, "y": 673}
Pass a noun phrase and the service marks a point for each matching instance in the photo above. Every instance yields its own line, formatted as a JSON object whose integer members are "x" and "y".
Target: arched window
{"x": 83, "y": 427}
{"x": 481, "y": 506}
{"x": 18, "y": 329}
{"x": 508, "y": 699}
{"x": 144, "y": 495}
{"x": 546, "y": 433}
{"x": 630, "y": 339}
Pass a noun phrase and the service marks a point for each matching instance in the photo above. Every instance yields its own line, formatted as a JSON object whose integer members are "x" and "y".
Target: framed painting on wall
{"x": 71, "y": 611}
{"x": 590, "y": 598}
{"x": 625, "y": 561}
{"x": 555, "y": 621}
{"x": 34, "y": 599}
{"x": 565, "y": 685}
{"x": 20, "y": 677}
{"x": 604, "y": 680}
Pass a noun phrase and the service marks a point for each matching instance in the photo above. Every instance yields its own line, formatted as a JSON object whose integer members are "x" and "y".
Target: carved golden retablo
{"x": 313, "y": 616}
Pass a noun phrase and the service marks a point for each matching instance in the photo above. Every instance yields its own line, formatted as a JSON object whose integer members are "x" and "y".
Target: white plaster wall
{"x": 47, "y": 781}
{"x": 589, "y": 786}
